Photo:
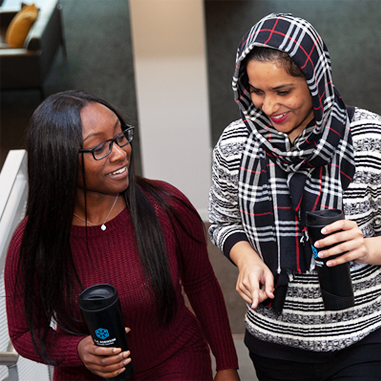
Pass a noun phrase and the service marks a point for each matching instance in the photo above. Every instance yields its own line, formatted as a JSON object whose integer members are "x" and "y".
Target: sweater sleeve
{"x": 61, "y": 347}
{"x": 201, "y": 286}
{"x": 362, "y": 197}
{"x": 224, "y": 215}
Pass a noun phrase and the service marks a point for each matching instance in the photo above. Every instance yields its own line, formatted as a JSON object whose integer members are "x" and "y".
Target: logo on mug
{"x": 314, "y": 252}
{"x": 102, "y": 333}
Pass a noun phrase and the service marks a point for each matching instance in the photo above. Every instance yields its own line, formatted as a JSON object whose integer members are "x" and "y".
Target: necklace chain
{"x": 103, "y": 226}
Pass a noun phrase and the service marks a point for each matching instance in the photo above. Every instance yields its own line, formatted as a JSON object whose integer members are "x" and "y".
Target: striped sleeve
{"x": 224, "y": 214}
{"x": 362, "y": 199}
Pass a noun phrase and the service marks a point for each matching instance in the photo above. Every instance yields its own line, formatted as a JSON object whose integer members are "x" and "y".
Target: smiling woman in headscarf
{"x": 299, "y": 148}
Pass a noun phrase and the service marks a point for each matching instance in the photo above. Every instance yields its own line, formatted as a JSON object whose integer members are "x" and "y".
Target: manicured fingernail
{"x": 324, "y": 230}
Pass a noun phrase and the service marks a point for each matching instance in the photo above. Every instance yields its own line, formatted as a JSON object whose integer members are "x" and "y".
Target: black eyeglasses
{"x": 102, "y": 150}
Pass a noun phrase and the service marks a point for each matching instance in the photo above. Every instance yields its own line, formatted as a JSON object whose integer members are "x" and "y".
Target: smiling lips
{"x": 119, "y": 171}
{"x": 280, "y": 118}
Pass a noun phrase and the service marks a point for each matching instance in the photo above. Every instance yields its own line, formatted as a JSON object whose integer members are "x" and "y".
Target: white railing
{"x": 13, "y": 197}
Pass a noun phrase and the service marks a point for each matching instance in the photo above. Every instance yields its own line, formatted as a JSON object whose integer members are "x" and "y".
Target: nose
{"x": 269, "y": 105}
{"x": 119, "y": 153}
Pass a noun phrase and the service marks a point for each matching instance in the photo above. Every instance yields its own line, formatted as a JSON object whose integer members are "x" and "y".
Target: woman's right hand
{"x": 255, "y": 281}
{"x": 103, "y": 361}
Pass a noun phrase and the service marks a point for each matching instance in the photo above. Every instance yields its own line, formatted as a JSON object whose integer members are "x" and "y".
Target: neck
{"x": 99, "y": 210}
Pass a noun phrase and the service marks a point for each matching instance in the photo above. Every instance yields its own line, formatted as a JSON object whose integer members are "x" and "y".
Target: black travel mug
{"x": 103, "y": 315}
{"x": 335, "y": 282}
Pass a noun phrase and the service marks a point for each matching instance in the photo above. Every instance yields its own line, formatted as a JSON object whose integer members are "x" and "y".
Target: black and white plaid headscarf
{"x": 280, "y": 181}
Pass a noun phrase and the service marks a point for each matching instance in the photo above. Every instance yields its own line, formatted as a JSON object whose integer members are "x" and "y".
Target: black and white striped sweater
{"x": 304, "y": 323}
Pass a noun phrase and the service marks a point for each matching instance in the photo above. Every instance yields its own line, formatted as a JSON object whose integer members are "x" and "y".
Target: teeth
{"x": 119, "y": 171}
{"x": 279, "y": 116}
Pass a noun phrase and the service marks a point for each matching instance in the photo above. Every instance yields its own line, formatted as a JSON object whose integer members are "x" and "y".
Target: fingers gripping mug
{"x": 335, "y": 282}
{"x": 103, "y": 315}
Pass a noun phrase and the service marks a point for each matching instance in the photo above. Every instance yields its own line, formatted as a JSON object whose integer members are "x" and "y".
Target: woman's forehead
{"x": 97, "y": 118}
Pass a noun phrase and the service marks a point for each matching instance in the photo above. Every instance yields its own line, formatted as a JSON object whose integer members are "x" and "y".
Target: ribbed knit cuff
{"x": 231, "y": 241}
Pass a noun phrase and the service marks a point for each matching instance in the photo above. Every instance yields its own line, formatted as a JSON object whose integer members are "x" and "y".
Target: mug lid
{"x": 324, "y": 217}
{"x": 97, "y": 297}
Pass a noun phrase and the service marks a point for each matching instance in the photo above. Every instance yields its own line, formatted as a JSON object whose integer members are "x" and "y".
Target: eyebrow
{"x": 284, "y": 85}
{"x": 98, "y": 133}
{"x": 275, "y": 88}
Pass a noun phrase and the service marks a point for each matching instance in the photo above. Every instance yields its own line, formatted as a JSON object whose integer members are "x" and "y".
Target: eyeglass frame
{"x": 112, "y": 141}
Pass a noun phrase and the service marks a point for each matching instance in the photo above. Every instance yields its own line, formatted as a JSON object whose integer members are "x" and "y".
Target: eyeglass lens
{"x": 121, "y": 140}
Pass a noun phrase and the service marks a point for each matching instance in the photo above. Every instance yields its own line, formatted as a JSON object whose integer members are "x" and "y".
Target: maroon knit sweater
{"x": 115, "y": 260}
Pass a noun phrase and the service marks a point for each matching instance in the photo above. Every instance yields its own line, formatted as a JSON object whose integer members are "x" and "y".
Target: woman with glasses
{"x": 298, "y": 148}
{"x": 90, "y": 220}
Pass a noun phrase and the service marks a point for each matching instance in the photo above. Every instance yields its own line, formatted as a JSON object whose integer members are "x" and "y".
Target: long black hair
{"x": 49, "y": 278}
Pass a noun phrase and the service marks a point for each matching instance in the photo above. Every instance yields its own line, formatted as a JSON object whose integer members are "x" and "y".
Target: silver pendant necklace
{"x": 103, "y": 226}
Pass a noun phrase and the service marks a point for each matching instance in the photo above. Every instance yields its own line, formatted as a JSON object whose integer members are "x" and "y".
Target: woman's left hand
{"x": 227, "y": 375}
{"x": 348, "y": 239}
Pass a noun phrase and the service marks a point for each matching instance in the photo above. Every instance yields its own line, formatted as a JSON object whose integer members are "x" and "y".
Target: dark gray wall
{"x": 100, "y": 60}
{"x": 350, "y": 28}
